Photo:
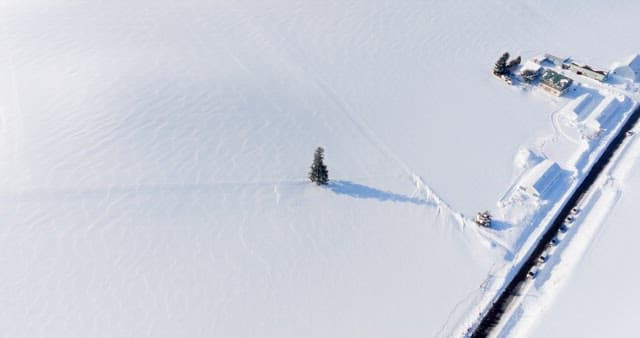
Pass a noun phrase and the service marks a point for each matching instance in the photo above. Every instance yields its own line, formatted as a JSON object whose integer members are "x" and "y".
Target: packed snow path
{"x": 492, "y": 318}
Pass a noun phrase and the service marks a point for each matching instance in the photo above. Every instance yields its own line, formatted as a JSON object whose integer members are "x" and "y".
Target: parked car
{"x": 554, "y": 241}
{"x": 575, "y": 210}
{"x": 532, "y": 273}
{"x": 569, "y": 219}
{"x": 563, "y": 228}
{"x": 543, "y": 258}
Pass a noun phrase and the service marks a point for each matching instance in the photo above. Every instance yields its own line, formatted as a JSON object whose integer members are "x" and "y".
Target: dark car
{"x": 543, "y": 258}
{"x": 532, "y": 273}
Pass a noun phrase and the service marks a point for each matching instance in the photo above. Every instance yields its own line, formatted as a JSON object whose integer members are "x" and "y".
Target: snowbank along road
{"x": 500, "y": 307}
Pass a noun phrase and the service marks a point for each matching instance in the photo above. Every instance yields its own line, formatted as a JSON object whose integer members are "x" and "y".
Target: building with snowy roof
{"x": 559, "y": 62}
{"x": 541, "y": 178}
{"x": 630, "y": 69}
{"x": 588, "y": 71}
{"x": 531, "y": 66}
{"x": 603, "y": 115}
{"x": 530, "y": 71}
{"x": 554, "y": 82}
{"x": 577, "y": 108}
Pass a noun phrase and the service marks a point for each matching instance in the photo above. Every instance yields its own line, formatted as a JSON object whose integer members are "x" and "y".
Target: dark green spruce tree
{"x": 501, "y": 65}
{"x": 514, "y": 62}
{"x": 319, "y": 173}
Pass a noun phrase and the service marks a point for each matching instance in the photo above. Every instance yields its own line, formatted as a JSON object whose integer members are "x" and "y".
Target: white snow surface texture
{"x": 154, "y": 157}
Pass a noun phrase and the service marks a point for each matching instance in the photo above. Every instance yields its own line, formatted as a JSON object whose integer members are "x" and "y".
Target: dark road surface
{"x": 493, "y": 316}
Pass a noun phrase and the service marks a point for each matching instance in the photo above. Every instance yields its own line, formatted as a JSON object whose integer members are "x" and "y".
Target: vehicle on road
{"x": 543, "y": 258}
{"x": 532, "y": 273}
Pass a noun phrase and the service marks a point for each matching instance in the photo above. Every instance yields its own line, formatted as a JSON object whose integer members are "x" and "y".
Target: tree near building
{"x": 514, "y": 63}
{"x": 319, "y": 173}
{"x": 501, "y": 65}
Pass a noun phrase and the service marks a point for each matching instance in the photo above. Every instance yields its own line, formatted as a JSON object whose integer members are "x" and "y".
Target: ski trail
{"x": 290, "y": 57}
{"x": 443, "y": 209}
{"x": 292, "y": 52}
{"x": 557, "y": 128}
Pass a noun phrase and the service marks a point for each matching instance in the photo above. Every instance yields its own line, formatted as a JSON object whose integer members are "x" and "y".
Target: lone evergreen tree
{"x": 319, "y": 173}
{"x": 501, "y": 65}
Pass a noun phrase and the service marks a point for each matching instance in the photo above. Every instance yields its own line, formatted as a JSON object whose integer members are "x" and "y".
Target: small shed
{"x": 530, "y": 71}
{"x": 541, "y": 178}
{"x": 555, "y": 83}
{"x": 531, "y": 66}
{"x": 630, "y": 69}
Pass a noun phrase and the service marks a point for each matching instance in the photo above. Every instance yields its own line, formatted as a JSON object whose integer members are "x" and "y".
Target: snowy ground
{"x": 154, "y": 156}
{"x": 582, "y": 290}
{"x": 531, "y": 213}
{"x": 599, "y": 298}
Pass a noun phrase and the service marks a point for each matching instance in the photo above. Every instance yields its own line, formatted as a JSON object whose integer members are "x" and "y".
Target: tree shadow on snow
{"x": 362, "y": 191}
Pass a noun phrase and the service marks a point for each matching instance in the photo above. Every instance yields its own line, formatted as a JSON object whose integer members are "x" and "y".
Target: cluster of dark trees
{"x": 503, "y": 65}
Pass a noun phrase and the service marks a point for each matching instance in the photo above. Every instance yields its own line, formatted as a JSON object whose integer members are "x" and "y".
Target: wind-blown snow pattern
{"x": 154, "y": 158}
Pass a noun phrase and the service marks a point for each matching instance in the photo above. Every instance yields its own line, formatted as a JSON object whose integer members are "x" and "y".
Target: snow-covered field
{"x": 154, "y": 158}
{"x": 590, "y": 292}
{"x": 600, "y": 297}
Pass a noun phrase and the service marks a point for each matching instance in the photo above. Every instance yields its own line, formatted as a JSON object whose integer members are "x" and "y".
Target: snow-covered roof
{"x": 554, "y": 59}
{"x": 541, "y": 177}
{"x": 556, "y": 80}
{"x": 603, "y": 116}
{"x": 630, "y": 68}
{"x": 589, "y": 71}
{"x": 633, "y": 62}
{"x": 576, "y": 108}
{"x": 605, "y": 109}
{"x": 530, "y": 65}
